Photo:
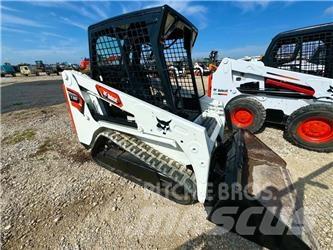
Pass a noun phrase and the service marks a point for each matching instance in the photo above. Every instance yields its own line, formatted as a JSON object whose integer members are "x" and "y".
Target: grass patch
{"x": 28, "y": 134}
{"x": 43, "y": 148}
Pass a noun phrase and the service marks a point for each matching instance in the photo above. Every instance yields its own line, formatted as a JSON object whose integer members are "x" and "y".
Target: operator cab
{"x": 307, "y": 50}
{"x": 139, "y": 53}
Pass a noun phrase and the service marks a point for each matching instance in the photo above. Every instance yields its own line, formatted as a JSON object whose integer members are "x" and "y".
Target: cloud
{"x": 249, "y": 50}
{"x": 15, "y": 30}
{"x": 42, "y": 36}
{"x": 73, "y": 23}
{"x": 329, "y": 11}
{"x": 10, "y": 19}
{"x": 186, "y": 8}
{"x": 248, "y": 6}
{"x": 29, "y": 40}
{"x": 131, "y": 6}
{"x": 99, "y": 11}
{"x": 53, "y": 35}
{"x": 124, "y": 9}
{"x": 51, "y": 4}
{"x": 8, "y": 8}
{"x": 86, "y": 9}
{"x": 86, "y": 13}
{"x": 78, "y": 9}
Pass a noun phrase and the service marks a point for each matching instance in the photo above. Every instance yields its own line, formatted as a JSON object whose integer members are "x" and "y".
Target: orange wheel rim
{"x": 316, "y": 130}
{"x": 242, "y": 117}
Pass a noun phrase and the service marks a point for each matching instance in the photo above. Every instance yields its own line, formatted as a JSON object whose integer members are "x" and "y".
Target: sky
{"x": 56, "y": 31}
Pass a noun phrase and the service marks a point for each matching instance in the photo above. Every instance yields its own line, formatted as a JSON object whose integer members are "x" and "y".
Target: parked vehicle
{"x": 292, "y": 86}
{"x": 16, "y": 68}
{"x": 208, "y": 65}
{"x": 65, "y": 66}
{"x": 201, "y": 69}
{"x": 75, "y": 66}
{"x": 52, "y": 69}
{"x": 27, "y": 69}
{"x": 85, "y": 65}
{"x": 47, "y": 68}
{"x": 7, "y": 69}
{"x": 40, "y": 67}
{"x": 178, "y": 68}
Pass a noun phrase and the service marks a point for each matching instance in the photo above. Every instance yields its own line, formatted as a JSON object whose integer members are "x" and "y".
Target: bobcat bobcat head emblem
{"x": 163, "y": 125}
{"x": 330, "y": 89}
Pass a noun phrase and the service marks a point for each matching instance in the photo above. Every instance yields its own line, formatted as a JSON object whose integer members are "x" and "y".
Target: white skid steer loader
{"x": 142, "y": 121}
{"x": 293, "y": 86}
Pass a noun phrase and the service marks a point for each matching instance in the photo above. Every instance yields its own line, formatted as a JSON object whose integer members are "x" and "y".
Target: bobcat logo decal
{"x": 330, "y": 89}
{"x": 163, "y": 125}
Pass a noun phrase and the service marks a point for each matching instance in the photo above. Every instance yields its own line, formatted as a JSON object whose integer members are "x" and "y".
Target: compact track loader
{"x": 292, "y": 86}
{"x": 160, "y": 130}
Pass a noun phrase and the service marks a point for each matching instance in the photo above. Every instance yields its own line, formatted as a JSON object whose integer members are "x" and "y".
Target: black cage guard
{"x": 147, "y": 54}
{"x": 308, "y": 50}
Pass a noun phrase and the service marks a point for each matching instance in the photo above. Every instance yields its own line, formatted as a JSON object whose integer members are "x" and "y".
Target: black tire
{"x": 13, "y": 74}
{"x": 251, "y": 106}
{"x": 311, "y": 113}
{"x": 2, "y": 75}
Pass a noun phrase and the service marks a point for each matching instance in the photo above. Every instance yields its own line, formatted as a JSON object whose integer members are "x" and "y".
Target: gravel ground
{"x": 54, "y": 196}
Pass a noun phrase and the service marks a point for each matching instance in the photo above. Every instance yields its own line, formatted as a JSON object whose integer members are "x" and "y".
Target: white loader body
{"x": 186, "y": 141}
{"x": 231, "y": 74}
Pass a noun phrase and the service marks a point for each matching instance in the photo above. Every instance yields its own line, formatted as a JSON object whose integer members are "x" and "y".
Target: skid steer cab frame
{"x": 307, "y": 50}
{"x": 139, "y": 53}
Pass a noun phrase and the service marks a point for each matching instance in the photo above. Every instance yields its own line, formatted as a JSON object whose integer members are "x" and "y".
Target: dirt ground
{"x": 54, "y": 196}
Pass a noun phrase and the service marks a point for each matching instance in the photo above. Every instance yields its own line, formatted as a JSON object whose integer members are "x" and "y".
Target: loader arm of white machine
{"x": 185, "y": 138}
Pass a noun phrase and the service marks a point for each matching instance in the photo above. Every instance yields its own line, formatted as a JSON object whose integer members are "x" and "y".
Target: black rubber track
{"x": 313, "y": 110}
{"x": 254, "y": 106}
{"x": 182, "y": 188}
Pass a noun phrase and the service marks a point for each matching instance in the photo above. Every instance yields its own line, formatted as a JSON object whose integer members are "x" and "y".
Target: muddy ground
{"x": 54, "y": 196}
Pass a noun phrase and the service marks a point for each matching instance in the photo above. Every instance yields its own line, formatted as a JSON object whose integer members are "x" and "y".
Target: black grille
{"x": 180, "y": 70}
{"x": 134, "y": 54}
{"x": 124, "y": 59}
{"x": 176, "y": 58}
